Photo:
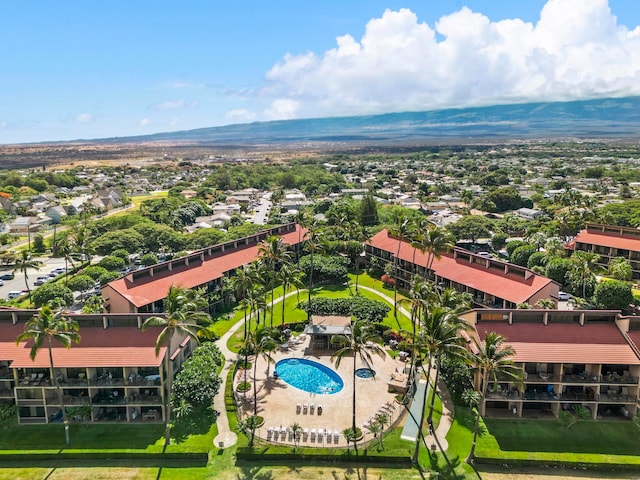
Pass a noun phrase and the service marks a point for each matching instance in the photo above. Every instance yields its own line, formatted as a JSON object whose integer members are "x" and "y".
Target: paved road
{"x": 261, "y": 215}
{"x": 47, "y": 264}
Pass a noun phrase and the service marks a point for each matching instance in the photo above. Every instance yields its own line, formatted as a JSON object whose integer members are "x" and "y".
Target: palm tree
{"x": 184, "y": 316}
{"x": 260, "y": 344}
{"x": 65, "y": 250}
{"x": 420, "y": 295}
{"x": 313, "y": 245}
{"x": 274, "y": 253}
{"x": 48, "y": 326}
{"x": 289, "y": 275}
{"x": 435, "y": 241}
{"x": 361, "y": 343}
{"x": 438, "y": 336}
{"x": 492, "y": 360}
{"x": 22, "y": 264}
{"x": 399, "y": 230}
{"x": 546, "y": 303}
{"x": 242, "y": 282}
{"x": 362, "y": 235}
{"x": 296, "y": 429}
{"x": 582, "y": 266}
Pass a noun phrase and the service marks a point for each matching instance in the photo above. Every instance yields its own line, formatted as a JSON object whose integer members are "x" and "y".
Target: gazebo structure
{"x": 322, "y": 328}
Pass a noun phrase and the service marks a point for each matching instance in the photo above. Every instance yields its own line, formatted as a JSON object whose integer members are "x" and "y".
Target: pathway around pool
{"x": 226, "y": 438}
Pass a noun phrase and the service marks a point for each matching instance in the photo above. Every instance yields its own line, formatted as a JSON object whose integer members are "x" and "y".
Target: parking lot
{"x": 18, "y": 284}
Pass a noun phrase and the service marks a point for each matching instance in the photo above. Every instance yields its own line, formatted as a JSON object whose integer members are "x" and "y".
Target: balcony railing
{"x": 580, "y": 378}
{"x": 615, "y": 379}
{"x": 504, "y": 395}
{"x": 541, "y": 378}
{"x": 616, "y": 398}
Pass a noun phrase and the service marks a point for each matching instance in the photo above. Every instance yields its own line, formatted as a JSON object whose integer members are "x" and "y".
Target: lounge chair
{"x": 305, "y": 408}
{"x": 305, "y": 434}
{"x": 269, "y": 433}
{"x": 320, "y": 434}
{"x": 328, "y": 434}
{"x": 336, "y": 436}
{"x": 319, "y": 409}
{"x": 312, "y": 407}
{"x": 313, "y": 434}
{"x": 298, "y": 408}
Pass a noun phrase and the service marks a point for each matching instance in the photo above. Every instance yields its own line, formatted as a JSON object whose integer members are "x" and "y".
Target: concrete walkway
{"x": 447, "y": 404}
{"x": 226, "y": 438}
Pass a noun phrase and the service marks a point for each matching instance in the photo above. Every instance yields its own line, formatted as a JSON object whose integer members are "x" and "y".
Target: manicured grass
{"x": 585, "y": 441}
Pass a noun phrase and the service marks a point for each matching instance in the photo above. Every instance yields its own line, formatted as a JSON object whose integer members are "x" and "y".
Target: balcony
{"x": 74, "y": 382}
{"x": 617, "y": 379}
{"x": 578, "y": 397}
{"x": 108, "y": 398}
{"x": 541, "y": 378}
{"x": 541, "y": 396}
{"x": 504, "y": 395}
{"x": 580, "y": 378}
{"x": 616, "y": 398}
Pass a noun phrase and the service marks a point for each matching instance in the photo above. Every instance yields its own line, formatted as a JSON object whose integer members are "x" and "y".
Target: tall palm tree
{"x": 362, "y": 235}
{"x": 261, "y": 345}
{"x": 400, "y": 229}
{"x": 435, "y": 241}
{"x": 438, "y": 334}
{"x": 242, "y": 282}
{"x": 65, "y": 250}
{"x": 420, "y": 296}
{"x": 185, "y": 314}
{"x": 312, "y": 238}
{"x": 361, "y": 343}
{"x": 48, "y": 326}
{"x": 274, "y": 253}
{"x": 492, "y": 360}
{"x": 581, "y": 273}
{"x": 303, "y": 219}
{"x": 22, "y": 264}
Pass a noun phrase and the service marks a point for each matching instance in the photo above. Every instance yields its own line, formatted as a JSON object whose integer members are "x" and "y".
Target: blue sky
{"x": 76, "y": 69}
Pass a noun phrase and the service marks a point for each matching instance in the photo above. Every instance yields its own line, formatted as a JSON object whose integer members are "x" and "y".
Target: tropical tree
{"x": 435, "y": 241}
{"x": 581, "y": 274}
{"x": 362, "y": 235}
{"x": 274, "y": 253}
{"x": 296, "y": 429}
{"x": 22, "y": 264}
{"x": 546, "y": 303}
{"x": 313, "y": 246}
{"x": 46, "y": 327}
{"x": 260, "y": 344}
{"x": 400, "y": 229}
{"x": 360, "y": 344}
{"x": 288, "y": 275}
{"x": 620, "y": 269}
{"x": 438, "y": 336}
{"x": 492, "y": 360}
{"x": 185, "y": 314}
{"x": 242, "y": 282}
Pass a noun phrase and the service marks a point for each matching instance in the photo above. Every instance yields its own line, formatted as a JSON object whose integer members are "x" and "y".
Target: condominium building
{"x": 490, "y": 282}
{"x": 576, "y": 359}
{"x": 143, "y": 291}
{"x": 112, "y": 375}
{"x": 609, "y": 242}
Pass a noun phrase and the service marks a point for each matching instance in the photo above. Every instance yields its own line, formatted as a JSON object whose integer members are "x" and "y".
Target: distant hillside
{"x": 604, "y": 118}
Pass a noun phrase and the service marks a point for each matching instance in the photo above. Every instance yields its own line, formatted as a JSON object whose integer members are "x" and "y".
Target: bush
{"x": 112, "y": 263}
{"x": 613, "y": 294}
{"x": 94, "y": 271}
{"x": 557, "y": 269}
{"x": 520, "y": 256}
{"x": 81, "y": 283}
{"x": 52, "y": 293}
{"x": 108, "y": 277}
{"x": 331, "y": 269}
{"x": 198, "y": 381}
{"x": 360, "y": 307}
{"x": 148, "y": 259}
{"x": 512, "y": 245}
{"x": 537, "y": 259}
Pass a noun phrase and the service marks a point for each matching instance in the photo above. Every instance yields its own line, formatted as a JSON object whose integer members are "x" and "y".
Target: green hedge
{"x": 360, "y": 307}
{"x": 263, "y": 454}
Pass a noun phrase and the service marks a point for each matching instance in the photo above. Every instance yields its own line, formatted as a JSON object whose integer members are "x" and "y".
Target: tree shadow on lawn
{"x": 196, "y": 423}
{"x": 588, "y": 436}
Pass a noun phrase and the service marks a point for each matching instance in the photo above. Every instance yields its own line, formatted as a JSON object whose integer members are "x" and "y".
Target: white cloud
{"x": 575, "y": 50}
{"x": 240, "y": 115}
{"x": 173, "y": 122}
{"x": 144, "y": 122}
{"x": 170, "y": 105}
{"x": 84, "y": 118}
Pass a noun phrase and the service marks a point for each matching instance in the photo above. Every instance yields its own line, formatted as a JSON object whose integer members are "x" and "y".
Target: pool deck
{"x": 277, "y": 400}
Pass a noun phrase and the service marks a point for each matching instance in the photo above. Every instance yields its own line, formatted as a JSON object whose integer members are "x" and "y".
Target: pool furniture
{"x": 319, "y": 409}
{"x": 305, "y": 434}
{"x": 305, "y": 408}
{"x": 312, "y": 407}
{"x": 336, "y": 436}
{"x": 313, "y": 434}
{"x": 298, "y": 408}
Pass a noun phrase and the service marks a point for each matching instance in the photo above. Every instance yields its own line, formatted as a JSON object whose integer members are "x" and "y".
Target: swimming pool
{"x": 309, "y": 376}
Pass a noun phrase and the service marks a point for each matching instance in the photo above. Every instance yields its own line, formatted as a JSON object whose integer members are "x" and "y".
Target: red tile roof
{"x": 510, "y": 287}
{"x": 150, "y": 289}
{"x": 98, "y": 347}
{"x": 597, "y": 343}
{"x": 608, "y": 240}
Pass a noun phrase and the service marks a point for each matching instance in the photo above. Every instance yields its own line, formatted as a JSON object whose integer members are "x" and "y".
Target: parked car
{"x": 13, "y": 294}
{"x": 1, "y": 283}
{"x": 564, "y": 296}
{"x": 40, "y": 280}
{"x": 7, "y": 276}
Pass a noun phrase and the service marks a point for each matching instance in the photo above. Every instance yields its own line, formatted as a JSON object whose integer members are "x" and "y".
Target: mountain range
{"x": 601, "y": 118}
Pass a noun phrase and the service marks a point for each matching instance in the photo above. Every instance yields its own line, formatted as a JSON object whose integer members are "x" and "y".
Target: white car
{"x": 564, "y": 296}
